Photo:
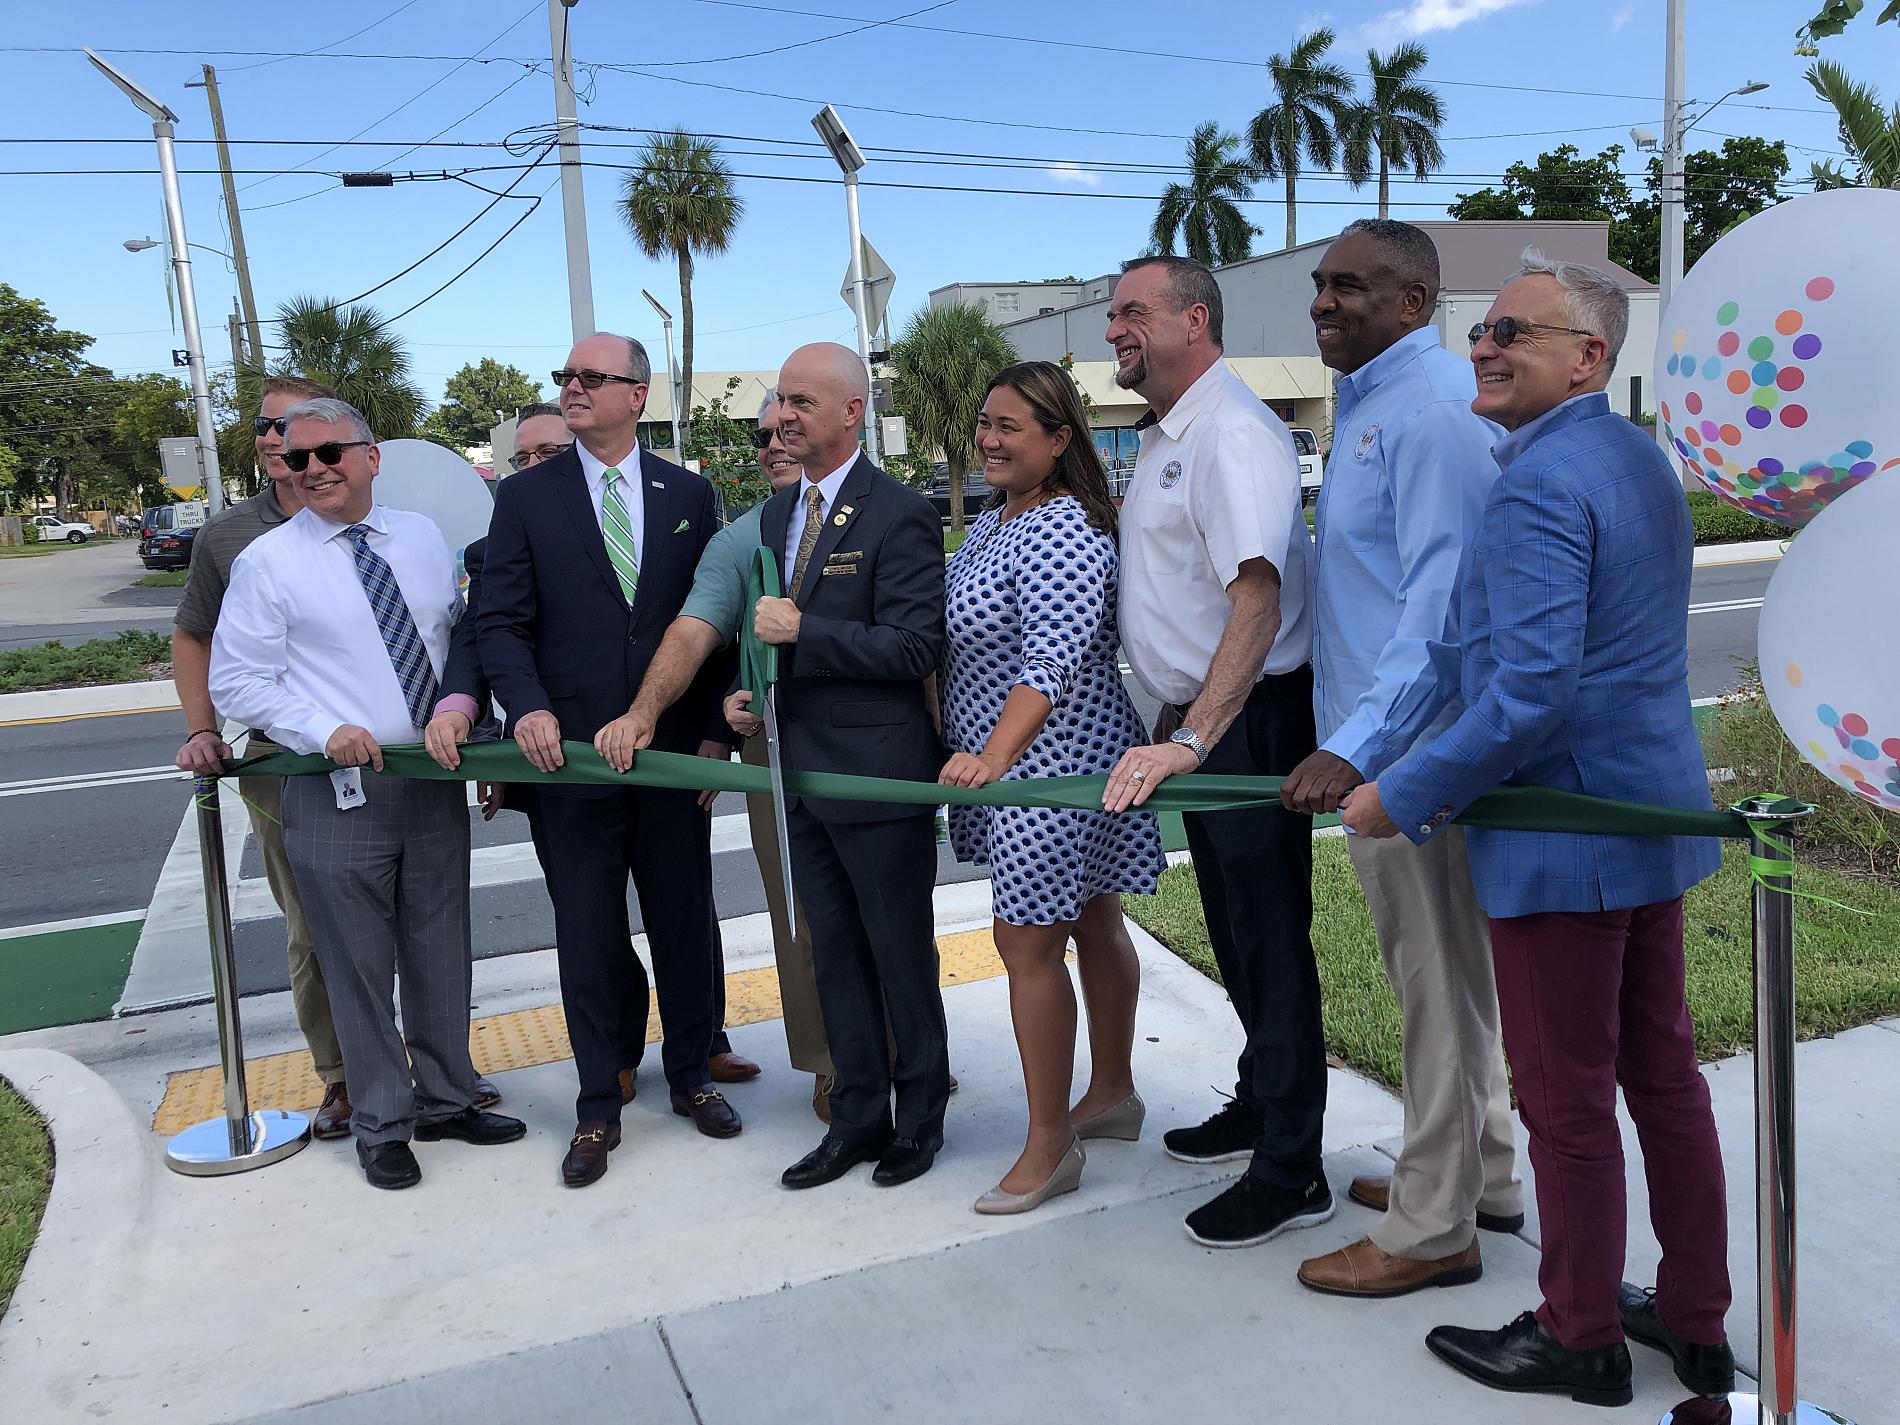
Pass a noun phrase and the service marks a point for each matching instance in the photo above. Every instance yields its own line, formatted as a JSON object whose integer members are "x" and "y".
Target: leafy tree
{"x": 1719, "y": 191}
{"x": 1869, "y": 133}
{"x": 350, "y": 351}
{"x": 478, "y": 398}
{"x": 1312, "y": 98}
{"x": 1832, "y": 19}
{"x": 1563, "y": 184}
{"x": 681, "y": 200}
{"x": 10, "y": 467}
{"x": 1204, "y": 211}
{"x": 1396, "y": 123}
{"x": 50, "y": 399}
{"x": 944, "y": 362}
{"x": 722, "y": 445}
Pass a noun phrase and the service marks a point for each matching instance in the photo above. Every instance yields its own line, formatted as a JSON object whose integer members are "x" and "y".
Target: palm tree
{"x": 348, "y": 350}
{"x": 1203, "y": 210}
{"x": 681, "y": 200}
{"x": 944, "y": 363}
{"x": 1870, "y": 134}
{"x": 1398, "y": 121}
{"x": 1311, "y": 101}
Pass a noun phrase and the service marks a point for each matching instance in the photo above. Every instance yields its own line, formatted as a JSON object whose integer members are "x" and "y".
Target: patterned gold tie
{"x": 808, "y": 540}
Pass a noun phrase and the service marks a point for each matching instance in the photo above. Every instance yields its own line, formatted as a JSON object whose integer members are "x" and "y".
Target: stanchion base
{"x": 1744, "y": 1408}
{"x": 204, "y": 1149}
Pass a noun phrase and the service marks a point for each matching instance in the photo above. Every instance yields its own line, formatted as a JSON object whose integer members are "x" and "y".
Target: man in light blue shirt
{"x": 1404, "y": 489}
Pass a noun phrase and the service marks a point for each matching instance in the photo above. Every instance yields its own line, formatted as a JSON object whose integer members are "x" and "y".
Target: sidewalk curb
{"x": 47, "y": 703}
{"x": 1752, "y": 552}
{"x": 101, "y": 1187}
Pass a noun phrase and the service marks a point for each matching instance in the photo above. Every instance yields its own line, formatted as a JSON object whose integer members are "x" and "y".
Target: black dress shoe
{"x": 586, "y": 1159}
{"x": 389, "y": 1165}
{"x": 905, "y": 1159}
{"x": 472, "y": 1125}
{"x": 1707, "y": 1370}
{"x": 829, "y": 1161}
{"x": 710, "y": 1112}
{"x": 1523, "y": 1356}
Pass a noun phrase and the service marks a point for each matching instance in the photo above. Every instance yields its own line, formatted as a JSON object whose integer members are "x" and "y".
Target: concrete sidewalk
{"x": 689, "y": 1287}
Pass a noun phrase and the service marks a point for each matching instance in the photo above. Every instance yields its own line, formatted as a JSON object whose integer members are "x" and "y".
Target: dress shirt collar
{"x": 274, "y": 511}
{"x": 830, "y": 485}
{"x": 593, "y": 467}
{"x": 1194, "y": 400}
{"x": 1388, "y": 363}
{"x": 1518, "y": 441}
{"x": 377, "y": 519}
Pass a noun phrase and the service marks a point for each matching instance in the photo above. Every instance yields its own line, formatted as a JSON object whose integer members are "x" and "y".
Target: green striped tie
{"x": 618, "y": 533}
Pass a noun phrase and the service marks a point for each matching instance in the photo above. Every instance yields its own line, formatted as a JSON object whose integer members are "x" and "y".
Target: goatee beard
{"x": 1133, "y": 376}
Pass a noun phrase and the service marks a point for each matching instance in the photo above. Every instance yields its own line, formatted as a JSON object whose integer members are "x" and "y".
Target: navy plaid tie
{"x": 406, "y": 653}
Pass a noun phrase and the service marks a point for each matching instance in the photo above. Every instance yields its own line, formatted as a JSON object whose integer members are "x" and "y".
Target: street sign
{"x": 181, "y": 464}
{"x": 878, "y": 281}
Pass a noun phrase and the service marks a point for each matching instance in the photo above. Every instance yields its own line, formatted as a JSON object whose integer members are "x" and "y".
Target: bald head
{"x": 823, "y": 390}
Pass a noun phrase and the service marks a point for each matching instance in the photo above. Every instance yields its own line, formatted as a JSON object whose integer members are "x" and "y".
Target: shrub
{"x": 1716, "y": 521}
{"x": 29, "y": 532}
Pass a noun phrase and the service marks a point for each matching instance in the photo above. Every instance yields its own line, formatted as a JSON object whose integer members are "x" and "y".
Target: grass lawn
{"x": 124, "y": 659}
{"x": 26, "y": 1175}
{"x": 953, "y": 540}
{"x": 163, "y": 579}
{"x": 1847, "y": 966}
{"x": 34, "y": 551}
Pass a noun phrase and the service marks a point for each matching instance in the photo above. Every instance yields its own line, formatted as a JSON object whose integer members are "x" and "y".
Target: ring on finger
{"x": 1138, "y": 775}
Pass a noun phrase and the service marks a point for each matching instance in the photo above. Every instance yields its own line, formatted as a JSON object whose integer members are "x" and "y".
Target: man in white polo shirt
{"x": 1214, "y": 624}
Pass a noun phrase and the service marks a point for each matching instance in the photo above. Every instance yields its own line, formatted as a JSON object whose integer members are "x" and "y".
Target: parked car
{"x": 162, "y": 519}
{"x": 52, "y": 527}
{"x": 975, "y": 492}
{"x": 168, "y": 550}
{"x": 1307, "y": 444}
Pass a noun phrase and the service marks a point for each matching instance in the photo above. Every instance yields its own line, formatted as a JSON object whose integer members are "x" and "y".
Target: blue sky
{"x": 1516, "y": 76}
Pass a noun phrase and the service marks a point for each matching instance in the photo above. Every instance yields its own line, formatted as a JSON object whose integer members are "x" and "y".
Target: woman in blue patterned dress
{"x": 1032, "y": 688}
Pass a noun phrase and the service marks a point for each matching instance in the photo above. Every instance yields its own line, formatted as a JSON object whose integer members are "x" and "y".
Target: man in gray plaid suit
{"x": 332, "y": 640}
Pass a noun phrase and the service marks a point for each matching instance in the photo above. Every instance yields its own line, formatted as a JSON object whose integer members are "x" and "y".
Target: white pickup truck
{"x": 1307, "y": 444}
{"x": 52, "y": 527}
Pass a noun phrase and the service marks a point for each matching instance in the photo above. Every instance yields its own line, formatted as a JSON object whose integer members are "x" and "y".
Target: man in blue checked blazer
{"x": 1574, "y": 667}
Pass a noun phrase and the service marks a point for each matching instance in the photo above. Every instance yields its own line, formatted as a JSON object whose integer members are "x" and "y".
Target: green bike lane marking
{"x": 64, "y": 976}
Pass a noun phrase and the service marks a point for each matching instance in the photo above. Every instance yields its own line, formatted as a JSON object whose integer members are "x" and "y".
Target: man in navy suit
{"x": 590, "y": 556}
{"x": 1575, "y": 606}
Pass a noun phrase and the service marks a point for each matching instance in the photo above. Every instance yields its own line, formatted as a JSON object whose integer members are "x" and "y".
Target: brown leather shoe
{"x": 333, "y": 1118}
{"x": 710, "y": 1112}
{"x": 821, "y": 1096}
{"x": 1363, "y": 1269}
{"x": 730, "y": 1068}
{"x": 486, "y": 1094}
{"x": 1376, "y": 1193}
{"x": 627, "y": 1086}
{"x": 586, "y": 1160}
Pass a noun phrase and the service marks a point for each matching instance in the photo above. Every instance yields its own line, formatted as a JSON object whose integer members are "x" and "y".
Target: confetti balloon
{"x": 1828, "y": 658}
{"x": 1775, "y": 363}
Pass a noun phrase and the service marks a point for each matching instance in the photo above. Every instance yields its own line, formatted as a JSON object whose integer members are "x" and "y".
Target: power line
{"x": 506, "y": 233}
{"x": 777, "y": 50}
{"x": 318, "y": 51}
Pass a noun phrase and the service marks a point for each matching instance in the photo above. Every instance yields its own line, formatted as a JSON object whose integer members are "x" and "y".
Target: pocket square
{"x": 682, "y": 526}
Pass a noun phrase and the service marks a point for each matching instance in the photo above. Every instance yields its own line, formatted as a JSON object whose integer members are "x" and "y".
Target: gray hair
{"x": 1410, "y": 250}
{"x": 639, "y": 364}
{"x": 1188, "y": 283}
{"x": 1594, "y": 301}
{"x": 771, "y": 400}
{"x": 332, "y": 412}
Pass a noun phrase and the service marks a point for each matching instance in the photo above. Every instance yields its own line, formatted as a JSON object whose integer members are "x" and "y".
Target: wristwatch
{"x": 1188, "y": 737}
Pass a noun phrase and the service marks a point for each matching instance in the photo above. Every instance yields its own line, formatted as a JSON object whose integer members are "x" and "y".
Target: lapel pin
{"x": 657, "y": 484}
{"x": 838, "y": 520}
{"x": 682, "y": 527}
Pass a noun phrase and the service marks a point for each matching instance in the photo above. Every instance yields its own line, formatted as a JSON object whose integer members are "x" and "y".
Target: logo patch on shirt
{"x": 1366, "y": 439}
{"x": 1171, "y": 475}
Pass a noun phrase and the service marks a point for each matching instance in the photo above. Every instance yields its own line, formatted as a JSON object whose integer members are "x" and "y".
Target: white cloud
{"x": 1066, "y": 172}
{"x": 1427, "y": 17}
{"x": 1622, "y": 17}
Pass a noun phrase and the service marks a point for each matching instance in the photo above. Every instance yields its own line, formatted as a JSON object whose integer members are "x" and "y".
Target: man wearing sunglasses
{"x": 1575, "y": 601}
{"x": 333, "y": 640}
{"x": 590, "y": 555}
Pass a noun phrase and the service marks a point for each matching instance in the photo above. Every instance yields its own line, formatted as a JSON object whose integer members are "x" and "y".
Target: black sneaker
{"x": 1228, "y": 1137}
{"x": 1251, "y": 1212}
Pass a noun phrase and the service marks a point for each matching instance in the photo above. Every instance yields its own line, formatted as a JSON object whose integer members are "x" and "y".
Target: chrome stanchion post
{"x": 241, "y": 1139}
{"x": 1771, "y": 822}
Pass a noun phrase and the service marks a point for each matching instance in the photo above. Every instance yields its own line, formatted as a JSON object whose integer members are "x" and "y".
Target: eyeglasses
{"x": 522, "y": 459}
{"x": 328, "y": 453}
{"x": 591, "y": 380}
{"x": 762, "y": 436}
{"x": 264, "y": 425}
{"x": 1506, "y": 330}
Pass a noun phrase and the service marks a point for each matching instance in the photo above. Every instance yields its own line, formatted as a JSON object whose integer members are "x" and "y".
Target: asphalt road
{"x": 90, "y": 838}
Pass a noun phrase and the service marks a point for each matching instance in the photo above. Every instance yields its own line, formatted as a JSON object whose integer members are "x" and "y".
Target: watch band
{"x": 1189, "y": 738}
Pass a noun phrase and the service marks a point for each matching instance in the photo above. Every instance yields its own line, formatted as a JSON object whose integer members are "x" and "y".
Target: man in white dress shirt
{"x": 332, "y": 640}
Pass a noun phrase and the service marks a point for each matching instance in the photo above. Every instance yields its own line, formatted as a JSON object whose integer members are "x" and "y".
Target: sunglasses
{"x": 762, "y": 436}
{"x": 264, "y": 425}
{"x": 328, "y": 453}
{"x": 1506, "y": 330}
{"x": 522, "y": 459}
{"x": 592, "y": 380}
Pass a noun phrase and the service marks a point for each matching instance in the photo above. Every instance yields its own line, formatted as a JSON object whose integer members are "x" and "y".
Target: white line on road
{"x": 81, "y": 922}
{"x": 1722, "y": 606}
{"x": 85, "y": 781}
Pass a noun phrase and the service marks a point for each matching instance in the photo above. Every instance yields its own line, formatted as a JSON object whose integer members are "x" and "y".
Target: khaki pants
{"x": 264, "y": 801}
{"x": 805, "y": 1038}
{"x": 1436, "y": 944}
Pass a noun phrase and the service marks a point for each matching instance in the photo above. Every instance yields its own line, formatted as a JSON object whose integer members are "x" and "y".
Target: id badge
{"x": 348, "y": 782}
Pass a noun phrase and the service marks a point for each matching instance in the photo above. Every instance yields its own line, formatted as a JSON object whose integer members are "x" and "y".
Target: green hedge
{"x": 1718, "y": 522}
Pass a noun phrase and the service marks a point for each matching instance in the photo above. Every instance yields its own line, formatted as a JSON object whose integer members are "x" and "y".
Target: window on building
{"x": 1004, "y": 301}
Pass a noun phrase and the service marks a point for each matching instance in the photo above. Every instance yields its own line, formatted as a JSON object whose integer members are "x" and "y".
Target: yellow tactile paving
{"x": 518, "y": 1040}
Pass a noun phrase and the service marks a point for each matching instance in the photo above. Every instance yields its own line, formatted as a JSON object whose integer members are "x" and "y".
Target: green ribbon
{"x": 1766, "y": 871}
{"x": 758, "y": 660}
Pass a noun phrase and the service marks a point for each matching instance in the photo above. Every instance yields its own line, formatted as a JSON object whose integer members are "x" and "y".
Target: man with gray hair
{"x": 1574, "y": 676}
{"x": 332, "y": 640}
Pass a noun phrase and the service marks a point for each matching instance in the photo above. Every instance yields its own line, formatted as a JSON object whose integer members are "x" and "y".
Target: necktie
{"x": 618, "y": 532}
{"x": 808, "y": 539}
{"x": 404, "y": 644}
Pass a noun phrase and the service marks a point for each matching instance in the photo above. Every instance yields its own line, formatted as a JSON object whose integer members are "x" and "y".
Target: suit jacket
{"x": 554, "y": 631}
{"x": 1574, "y": 670}
{"x": 851, "y": 689}
{"x": 462, "y": 672}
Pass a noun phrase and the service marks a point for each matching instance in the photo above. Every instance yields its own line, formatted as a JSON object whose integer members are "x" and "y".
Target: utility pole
{"x": 1674, "y": 82}
{"x": 237, "y": 355}
{"x": 580, "y": 279}
{"x": 238, "y": 255}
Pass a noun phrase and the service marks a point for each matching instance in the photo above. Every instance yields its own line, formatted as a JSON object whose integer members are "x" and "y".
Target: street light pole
{"x": 850, "y": 159}
{"x": 672, "y": 383}
{"x": 162, "y": 120}
{"x": 580, "y": 279}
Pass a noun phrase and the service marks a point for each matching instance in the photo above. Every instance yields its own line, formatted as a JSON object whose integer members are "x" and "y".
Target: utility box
{"x": 890, "y": 431}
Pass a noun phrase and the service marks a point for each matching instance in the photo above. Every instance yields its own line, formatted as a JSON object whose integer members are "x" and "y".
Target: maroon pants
{"x": 1589, "y": 1001}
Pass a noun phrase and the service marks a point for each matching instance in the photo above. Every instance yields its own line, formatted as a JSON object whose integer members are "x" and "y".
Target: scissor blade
{"x": 775, "y": 764}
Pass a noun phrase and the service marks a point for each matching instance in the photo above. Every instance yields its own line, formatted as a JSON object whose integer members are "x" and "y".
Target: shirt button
{"x": 1425, "y": 829}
